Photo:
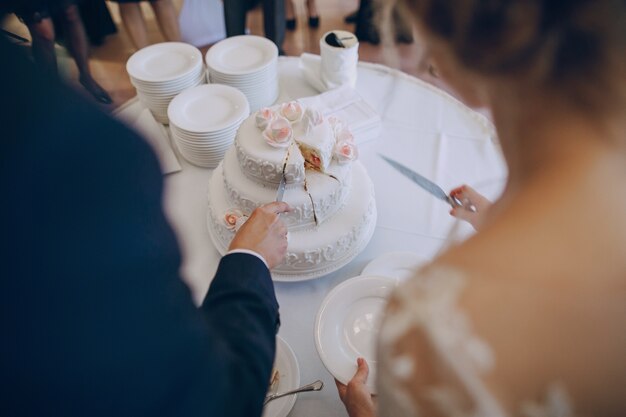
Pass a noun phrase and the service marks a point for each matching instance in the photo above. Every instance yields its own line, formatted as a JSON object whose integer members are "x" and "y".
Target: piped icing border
{"x": 302, "y": 216}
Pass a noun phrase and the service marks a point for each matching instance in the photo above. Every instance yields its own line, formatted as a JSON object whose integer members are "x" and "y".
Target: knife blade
{"x": 426, "y": 184}
{"x": 281, "y": 189}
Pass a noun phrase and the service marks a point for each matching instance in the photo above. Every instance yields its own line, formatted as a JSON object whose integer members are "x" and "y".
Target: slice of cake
{"x": 316, "y": 145}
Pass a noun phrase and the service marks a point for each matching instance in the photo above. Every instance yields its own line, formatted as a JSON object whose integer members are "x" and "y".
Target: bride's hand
{"x": 469, "y": 196}
{"x": 355, "y": 396}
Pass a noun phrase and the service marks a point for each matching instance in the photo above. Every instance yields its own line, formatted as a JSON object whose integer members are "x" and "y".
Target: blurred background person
{"x": 135, "y": 23}
{"x": 37, "y": 16}
{"x": 311, "y": 9}
{"x": 235, "y": 12}
{"x": 97, "y": 21}
{"x": 367, "y": 27}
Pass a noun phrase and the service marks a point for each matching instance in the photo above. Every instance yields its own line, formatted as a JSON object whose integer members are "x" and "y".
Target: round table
{"x": 422, "y": 127}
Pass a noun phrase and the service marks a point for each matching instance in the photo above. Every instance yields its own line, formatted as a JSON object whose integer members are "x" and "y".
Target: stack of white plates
{"x": 160, "y": 72}
{"x": 204, "y": 121}
{"x": 248, "y": 63}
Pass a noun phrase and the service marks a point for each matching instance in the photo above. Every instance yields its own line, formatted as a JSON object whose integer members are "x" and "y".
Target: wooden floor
{"x": 108, "y": 61}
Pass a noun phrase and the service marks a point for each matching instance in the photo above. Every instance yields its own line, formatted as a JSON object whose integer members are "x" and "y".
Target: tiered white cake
{"x": 332, "y": 197}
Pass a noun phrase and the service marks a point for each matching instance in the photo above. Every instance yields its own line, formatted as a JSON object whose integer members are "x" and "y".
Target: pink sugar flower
{"x": 278, "y": 133}
{"x": 346, "y": 152}
{"x": 292, "y": 111}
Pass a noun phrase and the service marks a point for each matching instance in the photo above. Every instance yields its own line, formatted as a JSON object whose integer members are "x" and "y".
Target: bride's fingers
{"x": 468, "y": 196}
{"x": 472, "y": 217}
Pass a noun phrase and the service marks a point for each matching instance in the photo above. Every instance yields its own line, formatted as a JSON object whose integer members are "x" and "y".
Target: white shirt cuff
{"x": 249, "y": 252}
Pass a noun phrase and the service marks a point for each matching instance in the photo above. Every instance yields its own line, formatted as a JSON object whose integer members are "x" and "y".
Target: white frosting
{"x": 328, "y": 194}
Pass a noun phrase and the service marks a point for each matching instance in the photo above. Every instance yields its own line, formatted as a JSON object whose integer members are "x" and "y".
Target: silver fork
{"x": 315, "y": 386}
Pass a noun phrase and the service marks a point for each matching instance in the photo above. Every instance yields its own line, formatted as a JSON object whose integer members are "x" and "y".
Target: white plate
{"x": 203, "y": 142}
{"x": 208, "y": 150}
{"x": 241, "y": 55}
{"x": 164, "y": 62}
{"x": 271, "y": 68}
{"x": 208, "y": 108}
{"x": 230, "y": 130}
{"x": 398, "y": 265}
{"x": 347, "y": 325}
{"x": 257, "y": 77}
{"x": 196, "y": 73}
{"x": 170, "y": 91}
{"x": 212, "y": 154}
{"x": 243, "y": 79}
{"x": 289, "y": 372}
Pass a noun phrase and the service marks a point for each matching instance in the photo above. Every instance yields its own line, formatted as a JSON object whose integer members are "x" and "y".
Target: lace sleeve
{"x": 431, "y": 364}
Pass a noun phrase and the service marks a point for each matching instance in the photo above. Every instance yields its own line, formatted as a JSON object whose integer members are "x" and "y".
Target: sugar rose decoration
{"x": 345, "y": 135}
{"x": 264, "y": 117}
{"x": 292, "y": 111}
{"x": 234, "y": 219}
{"x": 312, "y": 118}
{"x": 278, "y": 133}
{"x": 231, "y": 217}
{"x": 336, "y": 125}
{"x": 345, "y": 148}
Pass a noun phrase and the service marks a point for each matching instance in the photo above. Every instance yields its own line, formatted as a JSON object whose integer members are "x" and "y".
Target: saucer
{"x": 289, "y": 372}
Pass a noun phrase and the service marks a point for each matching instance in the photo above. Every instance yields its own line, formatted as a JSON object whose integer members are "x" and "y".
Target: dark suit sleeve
{"x": 249, "y": 304}
{"x": 94, "y": 318}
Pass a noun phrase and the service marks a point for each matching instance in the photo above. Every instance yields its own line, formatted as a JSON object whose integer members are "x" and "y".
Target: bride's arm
{"x": 429, "y": 362}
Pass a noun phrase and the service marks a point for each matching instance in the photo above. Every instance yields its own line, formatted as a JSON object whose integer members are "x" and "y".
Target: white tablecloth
{"x": 423, "y": 128}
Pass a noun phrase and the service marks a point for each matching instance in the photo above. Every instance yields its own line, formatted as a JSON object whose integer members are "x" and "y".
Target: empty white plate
{"x": 164, "y": 61}
{"x": 241, "y": 55}
{"x": 347, "y": 325}
{"x": 207, "y": 108}
{"x": 289, "y": 373}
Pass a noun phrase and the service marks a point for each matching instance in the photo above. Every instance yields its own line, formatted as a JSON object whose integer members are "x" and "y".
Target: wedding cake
{"x": 332, "y": 198}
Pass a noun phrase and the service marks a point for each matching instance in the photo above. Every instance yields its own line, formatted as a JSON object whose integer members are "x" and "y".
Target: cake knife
{"x": 428, "y": 185}
{"x": 281, "y": 189}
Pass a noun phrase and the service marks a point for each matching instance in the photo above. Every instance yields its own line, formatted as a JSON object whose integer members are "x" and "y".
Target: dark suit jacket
{"x": 94, "y": 320}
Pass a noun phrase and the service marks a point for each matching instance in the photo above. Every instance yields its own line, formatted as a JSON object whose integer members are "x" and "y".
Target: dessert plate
{"x": 398, "y": 265}
{"x": 289, "y": 373}
{"x": 241, "y": 55}
{"x": 207, "y": 108}
{"x": 164, "y": 62}
{"x": 347, "y": 325}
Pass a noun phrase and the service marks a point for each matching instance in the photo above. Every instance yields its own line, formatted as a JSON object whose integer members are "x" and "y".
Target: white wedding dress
{"x": 431, "y": 364}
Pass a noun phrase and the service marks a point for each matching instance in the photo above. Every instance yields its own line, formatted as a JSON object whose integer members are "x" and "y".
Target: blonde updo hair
{"x": 574, "y": 47}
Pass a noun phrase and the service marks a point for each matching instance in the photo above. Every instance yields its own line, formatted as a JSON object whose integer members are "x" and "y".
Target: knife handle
{"x": 466, "y": 204}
